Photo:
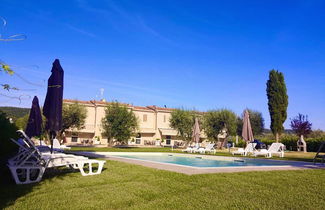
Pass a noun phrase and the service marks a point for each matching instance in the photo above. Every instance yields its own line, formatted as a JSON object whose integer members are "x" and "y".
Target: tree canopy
{"x": 73, "y": 116}
{"x": 183, "y": 121}
{"x": 216, "y": 120}
{"x": 300, "y": 125}
{"x": 14, "y": 112}
{"x": 119, "y": 123}
{"x": 277, "y": 101}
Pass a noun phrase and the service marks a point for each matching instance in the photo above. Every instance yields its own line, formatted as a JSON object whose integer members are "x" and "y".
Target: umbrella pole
{"x": 52, "y": 136}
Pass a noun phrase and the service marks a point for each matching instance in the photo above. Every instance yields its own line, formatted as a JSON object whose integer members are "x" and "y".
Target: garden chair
{"x": 209, "y": 148}
{"x": 275, "y": 148}
{"x": 192, "y": 149}
{"x": 29, "y": 165}
{"x": 58, "y": 146}
{"x": 250, "y": 148}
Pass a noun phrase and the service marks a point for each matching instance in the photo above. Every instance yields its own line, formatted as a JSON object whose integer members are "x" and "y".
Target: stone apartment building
{"x": 153, "y": 125}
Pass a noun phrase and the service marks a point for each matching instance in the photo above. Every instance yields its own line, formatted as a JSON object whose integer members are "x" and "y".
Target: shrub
{"x": 7, "y": 147}
{"x": 290, "y": 141}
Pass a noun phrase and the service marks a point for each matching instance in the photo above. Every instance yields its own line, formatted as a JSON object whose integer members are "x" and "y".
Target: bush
{"x": 7, "y": 147}
{"x": 290, "y": 141}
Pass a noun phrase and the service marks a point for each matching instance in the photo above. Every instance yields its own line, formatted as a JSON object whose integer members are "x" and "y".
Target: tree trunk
{"x": 277, "y": 137}
{"x": 110, "y": 142}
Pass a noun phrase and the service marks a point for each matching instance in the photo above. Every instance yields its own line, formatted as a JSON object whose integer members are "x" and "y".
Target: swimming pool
{"x": 202, "y": 161}
{"x": 199, "y": 164}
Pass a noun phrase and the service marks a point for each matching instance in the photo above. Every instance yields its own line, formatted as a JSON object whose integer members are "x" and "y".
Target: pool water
{"x": 203, "y": 162}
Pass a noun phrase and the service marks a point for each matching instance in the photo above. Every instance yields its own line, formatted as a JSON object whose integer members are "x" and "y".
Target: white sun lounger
{"x": 250, "y": 148}
{"x": 58, "y": 146}
{"x": 275, "y": 148}
{"x": 190, "y": 149}
{"x": 29, "y": 165}
{"x": 209, "y": 149}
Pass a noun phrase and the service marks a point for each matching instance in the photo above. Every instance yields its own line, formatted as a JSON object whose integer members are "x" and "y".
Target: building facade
{"x": 154, "y": 129}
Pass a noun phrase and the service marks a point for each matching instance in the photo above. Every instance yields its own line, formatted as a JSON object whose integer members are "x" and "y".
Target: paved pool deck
{"x": 190, "y": 170}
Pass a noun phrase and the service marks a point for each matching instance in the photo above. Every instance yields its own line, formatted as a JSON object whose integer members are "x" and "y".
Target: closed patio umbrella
{"x": 196, "y": 132}
{"x": 34, "y": 124}
{"x": 247, "y": 132}
{"x": 52, "y": 109}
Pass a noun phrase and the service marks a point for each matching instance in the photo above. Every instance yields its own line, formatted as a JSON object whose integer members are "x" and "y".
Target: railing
{"x": 86, "y": 127}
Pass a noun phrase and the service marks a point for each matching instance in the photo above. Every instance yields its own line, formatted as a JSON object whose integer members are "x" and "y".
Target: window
{"x": 164, "y": 118}
{"x": 74, "y": 137}
{"x": 138, "y": 138}
{"x": 144, "y": 118}
{"x": 168, "y": 140}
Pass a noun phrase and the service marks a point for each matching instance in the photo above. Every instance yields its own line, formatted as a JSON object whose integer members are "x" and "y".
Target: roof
{"x": 104, "y": 103}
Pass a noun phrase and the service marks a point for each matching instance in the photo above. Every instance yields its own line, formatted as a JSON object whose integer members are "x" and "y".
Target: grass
{"x": 128, "y": 186}
{"x": 298, "y": 156}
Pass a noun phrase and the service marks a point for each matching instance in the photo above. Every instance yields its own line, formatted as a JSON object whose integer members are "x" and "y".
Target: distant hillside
{"x": 14, "y": 112}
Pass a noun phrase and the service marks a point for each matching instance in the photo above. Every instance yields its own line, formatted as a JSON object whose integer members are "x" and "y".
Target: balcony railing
{"x": 85, "y": 128}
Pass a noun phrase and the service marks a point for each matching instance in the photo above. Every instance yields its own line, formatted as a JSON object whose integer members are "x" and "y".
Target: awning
{"x": 147, "y": 130}
{"x": 168, "y": 132}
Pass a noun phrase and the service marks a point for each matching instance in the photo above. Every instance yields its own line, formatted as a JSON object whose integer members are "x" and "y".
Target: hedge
{"x": 290, "y": 141}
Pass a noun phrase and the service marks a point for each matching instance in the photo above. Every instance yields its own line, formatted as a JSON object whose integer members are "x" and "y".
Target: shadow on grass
{"x": 10, "y": 192}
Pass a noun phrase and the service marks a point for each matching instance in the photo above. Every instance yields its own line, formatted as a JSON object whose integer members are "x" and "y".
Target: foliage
{"x": 183, "y": 121}
{"x": 14, "y": 112}
{"x": 216, "y": 120}
{"x": 257, "y": 122}
{"x": 21, "y": 122}
{"x": 317, "y": 134}
{"x": 300, "y": 125}
{"x": 7, "y": 69}
{"x": 277, "y": 101}
{"x": 3, "y": 66}
{"x": 119, "y": 123}
{"x": 73, "y": 116}
{"x": 290, "y": 141}
{"x": 7, "y": 148}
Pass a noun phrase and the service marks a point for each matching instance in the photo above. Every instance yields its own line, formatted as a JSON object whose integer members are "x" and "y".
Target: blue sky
{"x": 192, "y": 54}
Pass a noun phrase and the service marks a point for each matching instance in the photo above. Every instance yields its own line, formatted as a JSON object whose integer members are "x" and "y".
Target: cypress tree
{"x": 277, "y": 101}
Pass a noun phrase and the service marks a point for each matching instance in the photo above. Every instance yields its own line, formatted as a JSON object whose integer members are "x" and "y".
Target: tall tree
{"x": 216, "y": 120}
{"x": 183, "y": 121}
{"x": 257, "y": 122}
{"x": 73, "y": 116}
{"x": 277, "y": 101}
{"x": 119, "y": 123}
{"x": 300, "y": 125}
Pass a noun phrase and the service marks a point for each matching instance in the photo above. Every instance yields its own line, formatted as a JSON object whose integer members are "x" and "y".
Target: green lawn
{"x": 127, "y": 186}
{"x": 299, "y": 156}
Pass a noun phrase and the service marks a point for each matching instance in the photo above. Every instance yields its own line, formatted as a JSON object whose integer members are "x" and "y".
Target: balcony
{"x": 87, "y": 128}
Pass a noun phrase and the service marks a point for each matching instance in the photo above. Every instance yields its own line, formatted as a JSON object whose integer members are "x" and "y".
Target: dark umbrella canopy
{"x": 34, "y": 124}
{"x": 247, "y": 132}
{"x": 52, "y": 109}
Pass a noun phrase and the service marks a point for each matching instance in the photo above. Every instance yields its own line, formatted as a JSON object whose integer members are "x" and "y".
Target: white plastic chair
{"x": 58, "y": 146}
{"x": 29, "y": 165}
{"x": 275, "y": 148}
{"x": 209, "y": 148}
{"x": 250, "y": 148}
